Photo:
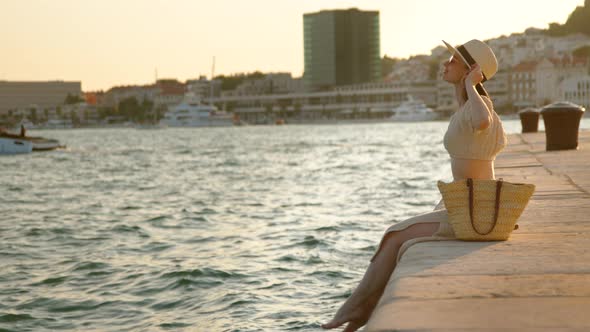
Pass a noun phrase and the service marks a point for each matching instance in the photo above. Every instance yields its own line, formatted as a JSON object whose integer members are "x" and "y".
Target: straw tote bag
{"x": 484, "y": 210}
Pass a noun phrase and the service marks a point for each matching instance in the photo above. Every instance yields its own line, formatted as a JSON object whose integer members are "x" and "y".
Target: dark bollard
{"x": 529, "y": 119}
{"x": 562, "y": 123}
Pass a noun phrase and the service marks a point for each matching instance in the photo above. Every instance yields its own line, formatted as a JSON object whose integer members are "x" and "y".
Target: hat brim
{"x": 454, "y": 51}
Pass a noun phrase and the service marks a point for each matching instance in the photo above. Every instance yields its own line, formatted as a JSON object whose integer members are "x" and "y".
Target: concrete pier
{"x": 537, "y": 280}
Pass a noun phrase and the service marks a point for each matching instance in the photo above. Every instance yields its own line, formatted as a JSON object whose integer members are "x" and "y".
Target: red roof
{"x": 171, "y": 88}
{"x": 569, "y": 60}
{"x": 525, "y": 66}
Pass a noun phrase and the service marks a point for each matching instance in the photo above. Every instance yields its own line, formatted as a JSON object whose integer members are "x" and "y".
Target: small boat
{"x": 10, "y": 145}
{"x": 44, "y": 144}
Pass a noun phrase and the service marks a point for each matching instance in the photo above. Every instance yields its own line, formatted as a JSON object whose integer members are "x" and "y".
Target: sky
{"x": 104, "y": 43}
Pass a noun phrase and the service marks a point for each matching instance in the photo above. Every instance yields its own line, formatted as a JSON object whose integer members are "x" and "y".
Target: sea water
{"x": 263, "y": 228}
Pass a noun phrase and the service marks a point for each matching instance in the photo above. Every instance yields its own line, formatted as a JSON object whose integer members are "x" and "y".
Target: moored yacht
{"x": 413, "y": 110}
{"x": 192, "y": 113}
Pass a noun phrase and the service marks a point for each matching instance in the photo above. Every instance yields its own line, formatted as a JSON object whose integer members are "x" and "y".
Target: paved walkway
{"x": 537, "y": 280}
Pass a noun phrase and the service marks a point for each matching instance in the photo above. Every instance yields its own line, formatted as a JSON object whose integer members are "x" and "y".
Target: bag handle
{"x": 496, "y": 207}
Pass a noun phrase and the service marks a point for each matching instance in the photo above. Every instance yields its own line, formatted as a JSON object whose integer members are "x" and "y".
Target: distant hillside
{"x": 577, "y": 22}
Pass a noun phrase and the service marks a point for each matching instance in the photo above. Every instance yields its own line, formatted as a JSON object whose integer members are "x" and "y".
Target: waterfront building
{"x": 79, "y": 113}
{"x": 115, "y": 95}
{"x": 565, "y": 45}
{"x": 550, "y": 72}
{"x": 522, "y": 85}
{"x": 272, "y": 83}
{"x": 23, "y": 95}
{"x": 576, "y": 90}
{"x": 203, "y": 87}
{"x": 498, "y": 88}
{"x": 168, "y": 93}
{"x": 341, "y": 47}
{"x": 360, "y": 101}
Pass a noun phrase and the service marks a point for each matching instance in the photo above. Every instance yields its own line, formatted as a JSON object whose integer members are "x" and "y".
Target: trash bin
{"x": 529, "y": 119}
{"x": 562, "y": 123}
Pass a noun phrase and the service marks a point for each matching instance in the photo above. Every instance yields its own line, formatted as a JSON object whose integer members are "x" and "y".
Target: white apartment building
{"x": 534, "y": 44}
{"x": 551, "y": 72}
{"x": 523, "y": 85}
{"x": 536, "y": 83}
{"x": 576, "y": 90}
{"x": 563, "y": 46}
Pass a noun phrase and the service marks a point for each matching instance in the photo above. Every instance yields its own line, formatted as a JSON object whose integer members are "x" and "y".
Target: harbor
{"x": 232, "y": 166}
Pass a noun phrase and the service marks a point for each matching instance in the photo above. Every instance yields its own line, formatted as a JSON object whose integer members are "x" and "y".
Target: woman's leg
{"x": 359, "y": 306}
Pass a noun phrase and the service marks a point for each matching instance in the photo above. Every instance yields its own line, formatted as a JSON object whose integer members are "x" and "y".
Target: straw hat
{"x": 476, "y": 51}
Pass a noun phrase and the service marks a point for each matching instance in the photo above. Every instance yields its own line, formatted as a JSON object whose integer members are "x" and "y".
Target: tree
{"x": 73, "y": 99}
{"x": 387, "y": 65}
{"x": 160, "y": 111}
{"x": 298, "y": 109}
{"x": 33, "y": 115}
{"x": 577, "y": 22}
{"x": 129, "y": 108}
{"x": 74, "y": 117}
{"x": 268, "y": 108}
{"x": 146, "y": 108}
{"x": 104, "y": 112}
{"x": 230, "y": 106}
{"x": 583, "y": 51}
{"x": 231, "y": 82}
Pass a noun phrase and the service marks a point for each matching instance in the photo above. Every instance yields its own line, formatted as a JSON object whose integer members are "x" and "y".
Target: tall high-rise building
{"x": 341, "y": 47}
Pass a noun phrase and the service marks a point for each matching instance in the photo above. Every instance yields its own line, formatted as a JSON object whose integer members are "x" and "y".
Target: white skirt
{"x": 439, "y": 215}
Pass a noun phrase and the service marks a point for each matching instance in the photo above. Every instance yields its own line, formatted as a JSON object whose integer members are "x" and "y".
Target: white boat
{"x": 11, "y": 145}
{"x": 413, "y": 110}
{"x": 192, "y": 113}
{"x": 44, "y": 144}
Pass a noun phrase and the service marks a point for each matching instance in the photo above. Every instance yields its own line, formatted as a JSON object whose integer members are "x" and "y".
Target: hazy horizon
{"x": 109, "y": 43}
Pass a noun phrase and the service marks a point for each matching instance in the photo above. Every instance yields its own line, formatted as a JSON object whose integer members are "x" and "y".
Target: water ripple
{"x": 261, "y": 228}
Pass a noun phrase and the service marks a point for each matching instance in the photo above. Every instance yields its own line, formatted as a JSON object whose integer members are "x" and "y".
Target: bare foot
{"x": 355, "y": 316}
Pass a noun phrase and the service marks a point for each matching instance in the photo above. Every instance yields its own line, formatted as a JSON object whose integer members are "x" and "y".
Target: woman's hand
{"x": 473, "y": 76}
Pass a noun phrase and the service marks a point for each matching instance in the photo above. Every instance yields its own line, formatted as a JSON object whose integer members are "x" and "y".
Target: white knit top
{"x": 462, "y": 141}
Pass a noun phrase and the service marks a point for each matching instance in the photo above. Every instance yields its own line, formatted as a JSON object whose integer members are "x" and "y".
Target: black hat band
{"x": 469, "y": 59}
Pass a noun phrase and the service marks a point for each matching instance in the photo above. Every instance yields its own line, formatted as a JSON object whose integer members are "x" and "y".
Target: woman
{"x": 473, "y": 139}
